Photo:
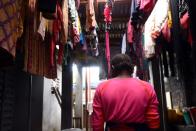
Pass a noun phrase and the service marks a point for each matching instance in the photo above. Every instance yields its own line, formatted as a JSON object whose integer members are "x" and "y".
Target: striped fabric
{"x": 10, "y": 25}
{"x": 37, "y": 50}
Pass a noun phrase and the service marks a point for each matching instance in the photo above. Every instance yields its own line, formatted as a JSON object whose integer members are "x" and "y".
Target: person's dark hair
{"x": 120, "y": 63}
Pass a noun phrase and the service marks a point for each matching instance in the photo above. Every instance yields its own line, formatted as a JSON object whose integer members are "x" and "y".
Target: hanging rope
{"x": 108, "y": 20}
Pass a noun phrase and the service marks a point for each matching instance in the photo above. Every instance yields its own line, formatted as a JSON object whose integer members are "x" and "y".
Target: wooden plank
{"x": 78, "y": 99}
{"x": 157, "y": 80}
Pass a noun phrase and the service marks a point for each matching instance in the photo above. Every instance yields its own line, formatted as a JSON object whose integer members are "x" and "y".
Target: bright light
{"x": 75, "y": 73}
{"x": 93, "y": 71}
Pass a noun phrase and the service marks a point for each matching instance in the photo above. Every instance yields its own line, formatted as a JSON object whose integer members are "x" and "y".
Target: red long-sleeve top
{"x": 125, "y": 100}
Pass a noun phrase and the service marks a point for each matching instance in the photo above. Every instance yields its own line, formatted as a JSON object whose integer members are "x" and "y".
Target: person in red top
{"x": 123, "y": 102}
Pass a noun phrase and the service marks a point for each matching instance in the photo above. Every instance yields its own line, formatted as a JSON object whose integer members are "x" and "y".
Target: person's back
{"x": 125, "y": 103}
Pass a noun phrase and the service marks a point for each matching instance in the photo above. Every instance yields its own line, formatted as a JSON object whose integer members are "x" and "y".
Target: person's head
{"x": 121, "y": 65}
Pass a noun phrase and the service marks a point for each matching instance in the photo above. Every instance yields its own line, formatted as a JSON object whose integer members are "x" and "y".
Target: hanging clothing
{"x": 185, "y": 28}
{"x": 37, "y": 50}
{"x": 11, "y": 26}
{"x": 107, "y": 43}
{"x": 183, "y": 7}
{"x": 90, "y": 16}
{"x": 108, "y": 20}
{"x": 76, "y": 27}
{"x": 94, "y": 42}
{"x": 140, "y": 10}
{"x": 124, "y": 42}
{"x": 154, "y": 24}
{"x": 133, "y": 102}
{"x": 65, "y": 18}
{"x": 166, "y": 32}
{"x": 129, "y": 32}
{"x": 42, "y": 28}
{"x": 134, "y": 36}
{"x": 147, "y": 5}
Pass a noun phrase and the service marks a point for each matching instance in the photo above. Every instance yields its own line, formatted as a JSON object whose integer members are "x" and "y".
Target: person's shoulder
{"x": 146, "y": 84}
{"x": 102, "y": 84}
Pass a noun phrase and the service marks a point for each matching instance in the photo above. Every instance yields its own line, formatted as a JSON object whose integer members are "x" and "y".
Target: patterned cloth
{"x": 65, "y": 21}
{"x": 10, "y": 24}
{"x": 37, "y": 50}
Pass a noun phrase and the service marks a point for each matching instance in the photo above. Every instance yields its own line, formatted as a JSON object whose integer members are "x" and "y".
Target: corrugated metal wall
{"x": 7, "y": 101}
{"x": 21, "y": 101}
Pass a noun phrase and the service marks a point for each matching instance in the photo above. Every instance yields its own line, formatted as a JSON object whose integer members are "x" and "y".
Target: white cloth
{"x": 124, "y": 42}
{"x": 42, "y": 28}
{"x": 155, "y": 22}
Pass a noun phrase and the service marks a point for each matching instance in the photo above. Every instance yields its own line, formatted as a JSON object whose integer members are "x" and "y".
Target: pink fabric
{"x": 107, "y": 14}
{"x": 125, "y": 100}
{"x": 184, "y": 22}
{"x": 166, "y": 32}
{"x": 107, "y": 40}
{"x": 129, "y": 32}
{"x": 147, "y": 5}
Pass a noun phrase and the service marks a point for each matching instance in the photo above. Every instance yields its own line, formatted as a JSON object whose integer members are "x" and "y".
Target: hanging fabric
{"x": 166, "y": 31}
{"x": 76, "y": 27}
{"x": 108, "y": 20}
{"x": 140, "y": 10}
{"x": 37, "y": 50}
{"x": 58, "y": 30}
{"x": 11, "y": 25}
{"x": 124, "y": 42}
{"x": 90, "y": 16}
{"x": 129, "y": 32}
{"x": 65, "y": 20}
{"x": 93, "y": 40}
{"x": 154, "y": 25}
{"x": 146, "y": 5}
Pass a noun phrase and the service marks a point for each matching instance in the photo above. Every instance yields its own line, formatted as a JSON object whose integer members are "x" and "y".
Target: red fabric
{"x": 54, "y": 40}
{"x": 166, "y": 32}
{"x": 108, "y": 19}
{"x": 129, "y": 32}
{"x": 107, "y": 15}
{"x": 57, "y": 26}
{"x": 60, "y": 54}
{"x": 125, "y": 100}
{"x": 76, "y": 36}
{"x": 185, "y": 22}
{"x": 52, "y": 50}
{"x": 107, "y": 51}
{"x": 147, "y": 5}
